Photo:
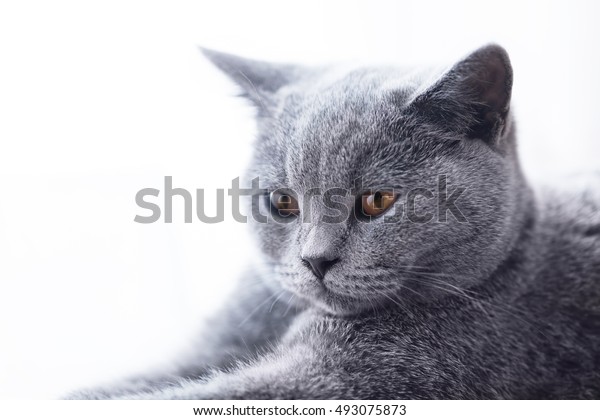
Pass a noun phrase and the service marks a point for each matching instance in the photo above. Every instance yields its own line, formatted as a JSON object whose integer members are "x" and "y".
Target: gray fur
{"x": 506, "y": 305}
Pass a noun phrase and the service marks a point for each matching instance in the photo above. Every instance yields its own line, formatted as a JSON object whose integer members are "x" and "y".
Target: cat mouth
{"x": 321, "y": 293}
{"x": 333, "y": 303}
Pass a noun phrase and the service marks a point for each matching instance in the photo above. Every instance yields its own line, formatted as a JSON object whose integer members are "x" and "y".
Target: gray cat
{"x": 439, "y": 274}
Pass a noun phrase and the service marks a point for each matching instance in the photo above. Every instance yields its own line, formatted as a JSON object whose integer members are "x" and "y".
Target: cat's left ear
{"x": 473, "y": 97}
{"x": 258, "y": 80}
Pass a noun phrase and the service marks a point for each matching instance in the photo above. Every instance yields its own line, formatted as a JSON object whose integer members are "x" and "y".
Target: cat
{"x": 498, "y": 300}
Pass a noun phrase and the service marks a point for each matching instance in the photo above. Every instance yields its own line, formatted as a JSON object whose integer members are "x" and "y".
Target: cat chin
{"x": 339, "y": 310}
{"x": 331, "y": 303}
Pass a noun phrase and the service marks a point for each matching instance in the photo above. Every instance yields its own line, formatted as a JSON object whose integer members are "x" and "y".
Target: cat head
{"x": 379, "y": 185}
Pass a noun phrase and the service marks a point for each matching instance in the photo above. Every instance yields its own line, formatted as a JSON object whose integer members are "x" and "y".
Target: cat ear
{"x": 258, "y": 80}
{"x": 473, "y": 97}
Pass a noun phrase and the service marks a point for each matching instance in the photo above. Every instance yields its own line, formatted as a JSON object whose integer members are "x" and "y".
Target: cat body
{"x": 496, "y": 295}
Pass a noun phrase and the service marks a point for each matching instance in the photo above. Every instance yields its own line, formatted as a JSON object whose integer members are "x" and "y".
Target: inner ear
{"x": 473, "y": 97}
{"x": 489, "y": 79}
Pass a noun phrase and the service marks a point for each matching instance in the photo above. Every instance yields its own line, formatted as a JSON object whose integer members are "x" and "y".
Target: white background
{"x": 101, "y": 99}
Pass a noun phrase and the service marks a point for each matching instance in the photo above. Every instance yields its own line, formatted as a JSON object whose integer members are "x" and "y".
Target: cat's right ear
{"x": 473, "y": 97}
{"x": 258, "y": 80}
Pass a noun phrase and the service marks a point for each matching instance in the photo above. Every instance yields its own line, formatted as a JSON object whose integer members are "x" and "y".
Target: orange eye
{"x": 285, "y": 204}
{"x": 376, "y": 203}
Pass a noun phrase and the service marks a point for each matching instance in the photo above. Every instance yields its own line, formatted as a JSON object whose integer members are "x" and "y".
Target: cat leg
{"x": 313, "y": 361}
{"x": 294, "y": 373}
{"x": 253, "y": 319}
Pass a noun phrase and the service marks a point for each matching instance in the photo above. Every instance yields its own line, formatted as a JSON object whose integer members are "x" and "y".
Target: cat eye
{"x": 284, "y": 204}
{"x": 376, "y": 203}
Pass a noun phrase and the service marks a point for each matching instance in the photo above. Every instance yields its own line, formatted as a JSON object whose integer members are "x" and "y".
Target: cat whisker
{"x": 289, "y": 304}
{"x": 279, "y": 295}
{"x": 455, "y": 290}
{"x": 464, "y": 292}
{"x": 385, "y": 295}
{"x": 263, "y": 303}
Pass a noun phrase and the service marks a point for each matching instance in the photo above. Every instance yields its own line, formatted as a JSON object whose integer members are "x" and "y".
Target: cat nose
{"x": 320, "y": 265}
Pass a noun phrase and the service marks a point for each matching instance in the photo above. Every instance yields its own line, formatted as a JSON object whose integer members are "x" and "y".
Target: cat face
{"x": 379, "y": 187}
